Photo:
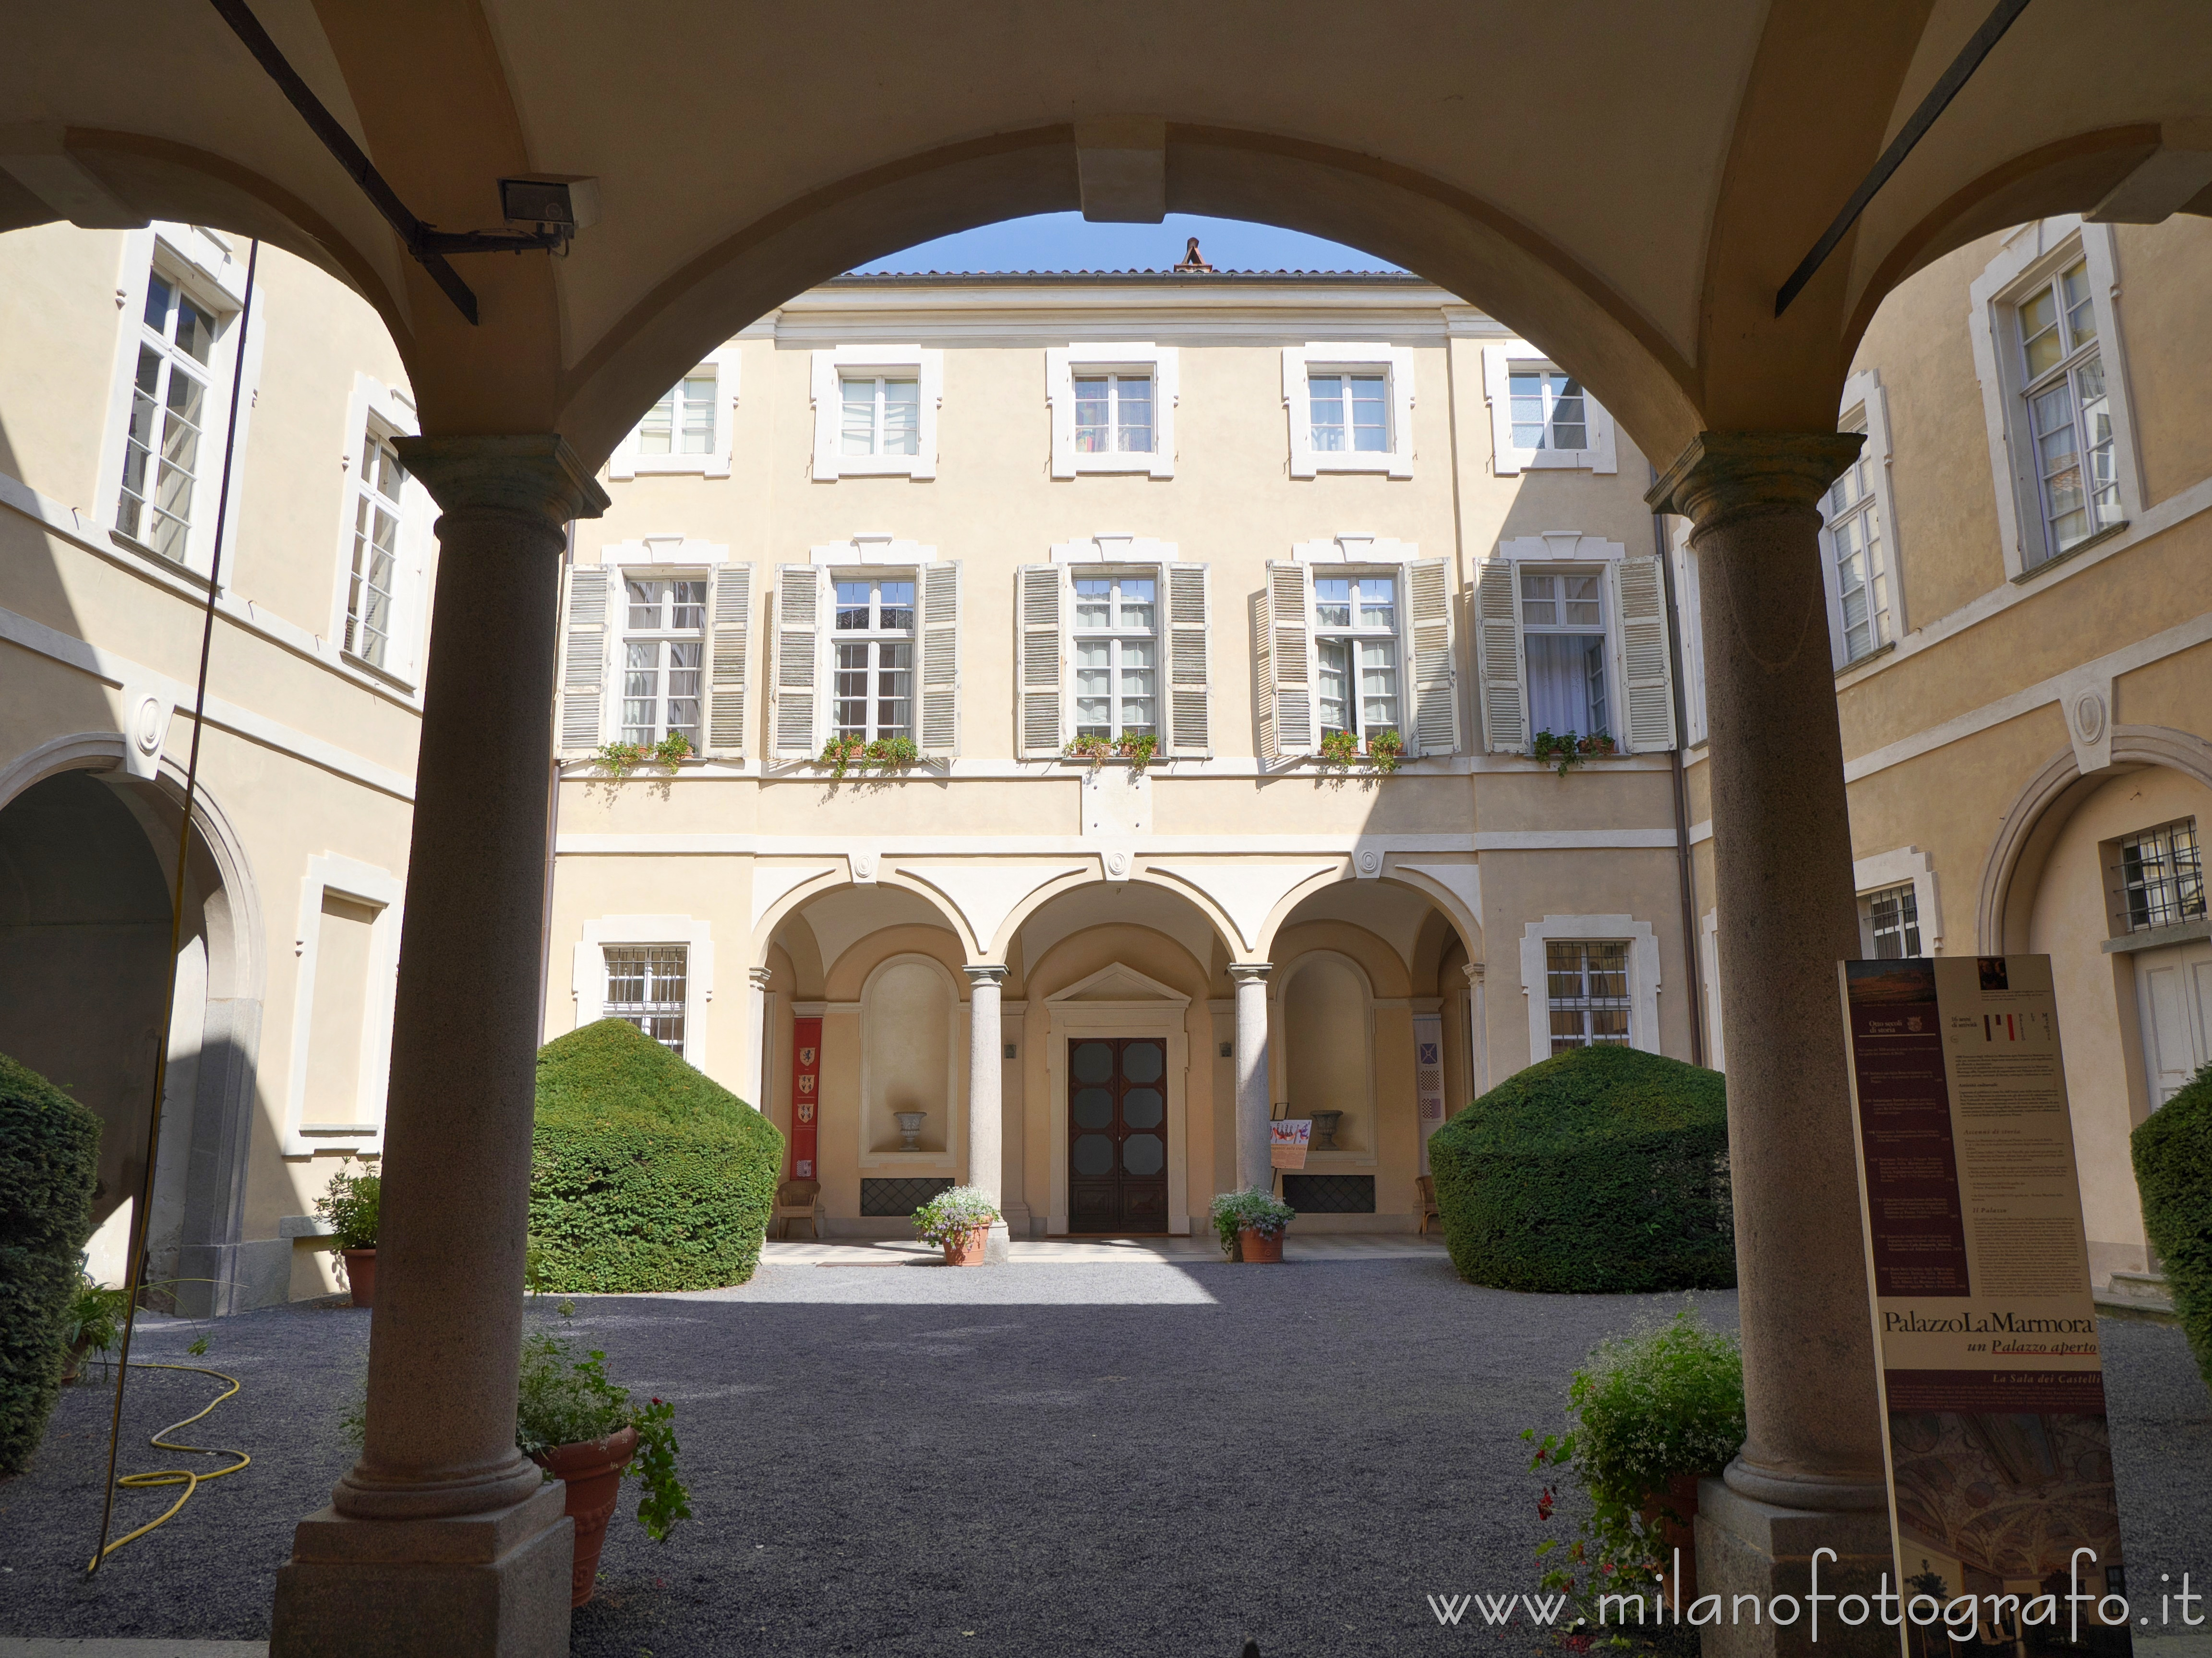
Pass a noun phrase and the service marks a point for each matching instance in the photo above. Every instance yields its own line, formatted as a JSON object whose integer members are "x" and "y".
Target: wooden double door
{"x": 1117, "y": 1134}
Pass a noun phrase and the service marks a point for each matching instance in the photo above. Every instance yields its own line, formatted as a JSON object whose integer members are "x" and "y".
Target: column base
{"x": 1750, "y": 1548}
{"x": 487, "y": 1585}
{"x": 997, "y": 1247}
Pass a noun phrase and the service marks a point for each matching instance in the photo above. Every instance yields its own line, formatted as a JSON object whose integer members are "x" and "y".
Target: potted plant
{"x": 582, "y": 1430}
{"x": 960, "y": 1220}
{"x": 1564, "y": 750}
{"x": 95, "y": 1323}
{"x": 1653, "y": 1413}
{"x": 1250, "y": 1224}
{"x": 348, "y": 1210}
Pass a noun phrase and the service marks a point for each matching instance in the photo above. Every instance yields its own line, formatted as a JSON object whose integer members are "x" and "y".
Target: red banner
{"x": 805, "y": 1094}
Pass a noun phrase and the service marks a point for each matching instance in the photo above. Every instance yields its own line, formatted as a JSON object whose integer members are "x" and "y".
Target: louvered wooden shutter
{"x": 798, "y": 627}
{"x": 1286, "y": 688}
{"x": 939, "y": 736}
{"x": 1499, "y": 661}
{"x": 1040, "y": 618}
{"x": 584, "y": 676}
{"x": 1648, "y": 681}
{"x": 730, "y": 658}
{"x": 1435, "y": 724}
{"x": 1189, "y": 619}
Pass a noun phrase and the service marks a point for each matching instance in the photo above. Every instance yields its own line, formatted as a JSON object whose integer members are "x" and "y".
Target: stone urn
{"x": 909, "y": 1124}
{"x": 360, "y": 1275}
{"x": 1256, "y": 1247}
{"x": 1324, "y": 1129}
{"x": 592, "y": 1470}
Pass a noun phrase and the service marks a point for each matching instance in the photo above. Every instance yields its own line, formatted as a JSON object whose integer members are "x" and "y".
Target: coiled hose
{"x": 190, "y": 1478}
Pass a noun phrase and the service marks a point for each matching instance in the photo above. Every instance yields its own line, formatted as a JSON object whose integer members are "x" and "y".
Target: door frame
{"x": 1163, "y": 1015}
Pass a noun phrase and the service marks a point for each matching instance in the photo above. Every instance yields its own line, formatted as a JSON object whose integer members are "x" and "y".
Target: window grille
{"x": 1549, "y": 411}
{"x": 647, "y": 985}
{"x": 882, "y": 415}
{"x": 874, "y": 645}
{"x": 2162, "y": 876}
{"x": 1356, "y": 648}
{"x": 2069, "y": 415}
{"x": 1861, "y": 560}
{"x": 664, "y": 641}
{"x": 1112, "y": 414}
{"x": 168, "y": 412}
{"x": 1588, "y": 985}
{"x": 1116, "y": 656}
{"x": 1350, "y": 412}
{"x": 375, "y": 548}
{"x": 683, "y": 421}
{"x": 1893, "y": 917}
{"x": 1564, "y": 636}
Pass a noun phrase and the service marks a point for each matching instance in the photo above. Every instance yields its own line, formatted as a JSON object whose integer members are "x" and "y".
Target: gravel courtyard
{"x": 1147, "y": 1459}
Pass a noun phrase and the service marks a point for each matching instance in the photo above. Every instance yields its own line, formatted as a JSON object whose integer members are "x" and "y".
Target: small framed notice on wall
{"x": 2003, "y": 1515}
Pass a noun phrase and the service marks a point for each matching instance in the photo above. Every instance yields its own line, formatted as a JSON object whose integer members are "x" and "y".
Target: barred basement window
{"x": 647, "y": 985}
{"x": 1588, "y": 985}
{"x": 1893, "y": 917}
{"x": 2162, "y": 876}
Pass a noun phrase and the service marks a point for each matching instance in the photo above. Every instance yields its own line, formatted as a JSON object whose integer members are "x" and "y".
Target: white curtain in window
{"x": 1566, "y": 683}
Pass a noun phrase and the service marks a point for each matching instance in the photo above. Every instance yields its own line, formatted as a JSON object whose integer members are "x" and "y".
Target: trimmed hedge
{"x": 1601, "y": 1171}
{"x": 2173, "y": 1149}
{"x": 644, "y": 1174}
{"x": 49, "y": 1166}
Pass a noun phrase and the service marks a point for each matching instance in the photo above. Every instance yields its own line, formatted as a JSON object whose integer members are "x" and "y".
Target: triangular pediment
{"x": 1117, "y": 983}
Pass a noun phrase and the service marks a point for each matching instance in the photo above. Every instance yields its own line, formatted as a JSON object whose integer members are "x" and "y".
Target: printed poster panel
{"x": 1287, "y": 1140}
{"x": 1993, "y": 1403}
{"x": 805, "y": 1094}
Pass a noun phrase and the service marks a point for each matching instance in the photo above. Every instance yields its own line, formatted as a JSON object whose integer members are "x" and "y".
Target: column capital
{"x": 535, "y": 473}
{"x": 762, "y": 978}
{"x": 1473, "y": 971}
{"x": 1250, "y": 973}
{"x": 985, "y": 973}
{"x": 1725, "y": 475}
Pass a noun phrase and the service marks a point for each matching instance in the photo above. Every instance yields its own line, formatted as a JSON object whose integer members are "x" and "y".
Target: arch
{"x": 2040, "y": 810}
{"x": 1094, "y": 900}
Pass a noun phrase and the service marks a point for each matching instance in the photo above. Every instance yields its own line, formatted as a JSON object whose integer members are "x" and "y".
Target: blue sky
{"x": 1063, "y": 241}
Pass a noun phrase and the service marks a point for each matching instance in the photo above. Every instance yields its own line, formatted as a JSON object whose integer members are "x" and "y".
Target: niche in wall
{"x": 1327, "y": 1029}
{"x": 907, "y": 1053}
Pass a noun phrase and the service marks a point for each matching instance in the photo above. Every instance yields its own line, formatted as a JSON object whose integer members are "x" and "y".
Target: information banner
{"x": 805, "y": 1094}
{"x": 2001, "y": 1506}
{"x": 1287, "y": 1140}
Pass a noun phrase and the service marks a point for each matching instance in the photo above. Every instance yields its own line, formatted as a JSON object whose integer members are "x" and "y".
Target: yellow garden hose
{"x": 189, "y": 1479}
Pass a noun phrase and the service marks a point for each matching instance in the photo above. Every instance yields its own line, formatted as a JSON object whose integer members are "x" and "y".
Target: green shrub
{"x": 49, "y": 1165}
{"x": 2174, "y": 1172}
{"x": 350, "y": 1208}
{"x": 644, "y": 1175}
{"x": 1601, "y": 1171}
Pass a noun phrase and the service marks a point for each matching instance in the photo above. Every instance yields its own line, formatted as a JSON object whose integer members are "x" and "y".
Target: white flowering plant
{"x": 954, "y": 1213}
{"x": 1262, "y": 1211}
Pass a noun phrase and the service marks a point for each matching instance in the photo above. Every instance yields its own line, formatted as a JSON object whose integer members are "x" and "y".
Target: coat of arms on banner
{"x": 806, "y": 1056}
{"x": 807, "y": 1085}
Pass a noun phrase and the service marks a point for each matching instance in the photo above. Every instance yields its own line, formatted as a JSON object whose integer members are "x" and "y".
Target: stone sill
{"x": 2180, "y": 932}
{"x": 2075, "y": 552}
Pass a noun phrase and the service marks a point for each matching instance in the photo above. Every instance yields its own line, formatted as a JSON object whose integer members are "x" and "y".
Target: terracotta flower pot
{"x": 1682, "y": 1497}
{"x": 967, "y": 1249}
{"x": 361, "y": 1276}
{"x": 1254, "y": 1247}
{"x": 592, "y": 1470}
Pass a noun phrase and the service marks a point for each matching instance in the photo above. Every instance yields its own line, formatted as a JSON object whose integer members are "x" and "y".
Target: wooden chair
{"x": 1425, "y": 1187}
{"x": 796, "y": 1200}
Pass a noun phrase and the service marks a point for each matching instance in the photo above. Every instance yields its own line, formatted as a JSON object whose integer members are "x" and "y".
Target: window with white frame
{"x": 1356, "y": 645}
{"x": 1349, "y": 413}
{"x": 378, "y": 487}
{"x": 2069, "y": 410}
{"x": 169, "y": 410}
{"x": 1861, "y": 556}
{"x": 1112, "y": 414}
{"x": 882, "y": 415}
{"x": 1115, "y": 638}
{"x": 664, "y": 649}
{"x": 647, "y": 985}
{"x": 1548, "y": 408}
{"x": 1891, "y": 919}
{"x": 683, "y": 421}
{"x": 1542, "y": 416}
{"x": 1563, "y": 629}
{"x": 2161, "y": 876}
{"x": 873, "y": 647}
{"x": 1586, "y": 988}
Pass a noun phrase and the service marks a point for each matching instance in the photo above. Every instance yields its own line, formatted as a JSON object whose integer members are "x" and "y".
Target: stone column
{"x": 986, "y": 1086}
{"x": 1478, "y": 1026}
{"x": 442, "y": 1539}
{"x": 1810, "y": 1474}
{"x": 1253, "y": 1106}
{"x": 759, "y": 1028}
